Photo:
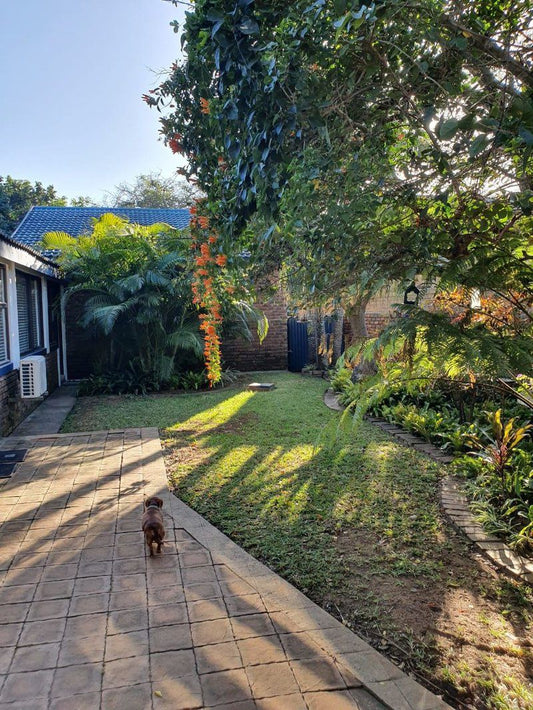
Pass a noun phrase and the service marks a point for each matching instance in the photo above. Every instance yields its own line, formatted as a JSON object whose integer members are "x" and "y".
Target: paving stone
{"x": 182, "y": 693}
{"x": 195, "y": 575}
{"x": 195, "y": 559}
{"x": 205, "y": 590}
{"x": 89, "y": 604}
{"x": 17, "y": 593}
{"x": 218, "y": 657}
{"x": 211, "y": 632}
{"x": 6, "y": 655}
{"x": 50, "y": 609}
{"x": 261, "y": 649}
{"x": 168, "y": 614}
{"x": 132, "y": 599}
{"x": 91, "y": 585}
{"x": 285, "y": 702}
{"x": 82, "y": 701}
{"x": 89, "y": 649}
{"x": 136, "y": 697}
{"x": 166, "y": 595}
{"x": 59, "y": 572}
{"x": 172, "y": 664}
{"x": 95, "y": 569}
{"x": 84, "y": 678}
{"x": 129, "y": 566}
{"x": 134, "y": 643}
{"x": 225, "y": 687}
{"x": 299, "y": 646}
{"x": 37, "y": 632}
{"x": 170, "y": 638}
{"x": 128, "y": 620}
{"x": 26, "y": 686}
{"x": 157, "y": 579}
{"x": 245, "y": 604}
{"x": 86, "y": 625}
{"x": 35, "y": 658}
{"x": 207, "y": 610}
{"x": 28, "y": 575}
{"x": 126, "y": 671}
{"x": 369, "y": 666}
{"x": 315, "y": 674}
{"x": 271, "y": 679}
{"x": 252, "y": 625}
{"x": 338, "y": 699}
{"x": 366, "y": 701}
{"x": 13, "y": 612}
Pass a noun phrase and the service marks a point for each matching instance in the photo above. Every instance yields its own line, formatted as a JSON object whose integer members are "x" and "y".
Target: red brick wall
{"x": 271, "y": 354}
{"x": 13, "y": 409}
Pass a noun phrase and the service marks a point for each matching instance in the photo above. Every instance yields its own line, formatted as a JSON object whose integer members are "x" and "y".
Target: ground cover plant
{"x": 356, "y": 526}
{"x": 483, "y": 424}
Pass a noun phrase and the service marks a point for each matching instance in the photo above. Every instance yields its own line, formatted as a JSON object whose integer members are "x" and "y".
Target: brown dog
{"x": 152, "y": 523}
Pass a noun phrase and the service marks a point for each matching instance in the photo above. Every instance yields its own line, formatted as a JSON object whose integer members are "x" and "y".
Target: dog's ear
{"x": 159, "y": 502}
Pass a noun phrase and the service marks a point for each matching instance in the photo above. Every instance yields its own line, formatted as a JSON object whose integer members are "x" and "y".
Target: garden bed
{"x": 355, "y": 523}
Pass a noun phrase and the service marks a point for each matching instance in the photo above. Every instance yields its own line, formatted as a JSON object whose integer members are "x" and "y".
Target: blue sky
{"x": 73, "y": 72}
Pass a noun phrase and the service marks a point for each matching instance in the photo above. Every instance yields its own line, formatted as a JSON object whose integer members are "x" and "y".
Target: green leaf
{"x": 448, "y": 129}
{"x": 478, "y": 145}
{"x": 248, "y": 26}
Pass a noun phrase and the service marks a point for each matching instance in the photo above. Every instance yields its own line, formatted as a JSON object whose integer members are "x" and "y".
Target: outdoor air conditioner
{"x": 33, "y": 376}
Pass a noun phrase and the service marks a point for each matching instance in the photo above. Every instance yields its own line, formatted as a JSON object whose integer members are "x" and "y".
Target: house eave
{"x": 27, "y": 257}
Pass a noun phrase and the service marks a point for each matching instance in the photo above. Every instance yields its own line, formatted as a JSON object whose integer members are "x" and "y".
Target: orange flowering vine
{"x": 207, "y": 265}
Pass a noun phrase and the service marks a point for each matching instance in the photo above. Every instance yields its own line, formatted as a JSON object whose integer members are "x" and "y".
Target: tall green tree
{"x": 417, "y": 119}
{"x": 18, "y": 196}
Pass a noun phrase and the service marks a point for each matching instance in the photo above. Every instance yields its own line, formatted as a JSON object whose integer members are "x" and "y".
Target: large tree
{"x": 18, "y": 196}
{"x": 153, "y": 190}
{"x": 376, "y": 141}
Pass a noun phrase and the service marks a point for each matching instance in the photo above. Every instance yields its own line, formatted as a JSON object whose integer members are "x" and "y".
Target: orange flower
{"x": 212, "y": 239}
{"x": 204, "y": 105}
{"x": 203, "y": 222}
{"x": 221, "y": 260}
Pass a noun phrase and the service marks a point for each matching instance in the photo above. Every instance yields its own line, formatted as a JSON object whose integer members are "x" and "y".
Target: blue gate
{"x": 298, "y": 344}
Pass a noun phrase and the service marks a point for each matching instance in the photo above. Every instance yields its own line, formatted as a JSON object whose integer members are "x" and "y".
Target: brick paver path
{"x": 87, "y": 620}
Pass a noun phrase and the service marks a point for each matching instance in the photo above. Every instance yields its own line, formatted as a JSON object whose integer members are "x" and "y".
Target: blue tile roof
{"x": 77, "y": 220}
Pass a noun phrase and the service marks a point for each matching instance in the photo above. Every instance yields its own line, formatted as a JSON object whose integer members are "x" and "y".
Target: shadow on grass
{"x": 256, "y": 468}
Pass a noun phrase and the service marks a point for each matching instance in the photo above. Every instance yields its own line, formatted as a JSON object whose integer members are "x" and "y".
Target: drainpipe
{"x": 63, "y": 332}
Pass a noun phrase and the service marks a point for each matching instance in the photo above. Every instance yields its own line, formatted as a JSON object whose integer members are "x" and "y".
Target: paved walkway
{"x": 48, "y": 417}
{"x": 87, "y": 621}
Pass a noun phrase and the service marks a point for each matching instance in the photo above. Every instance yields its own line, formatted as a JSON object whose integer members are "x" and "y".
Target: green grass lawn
{"x": 352, "y": 519}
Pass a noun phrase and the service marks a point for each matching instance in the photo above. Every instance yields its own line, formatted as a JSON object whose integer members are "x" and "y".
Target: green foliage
{"x": 368, "y": 144}
{"x": 153, "y": 190}
{"x": 137, "y": 286}
{"x": 19, "y": 196}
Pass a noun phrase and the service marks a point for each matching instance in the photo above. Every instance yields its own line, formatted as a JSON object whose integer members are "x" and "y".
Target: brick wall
{"x": 13, "y": 409}
{"x": 271, "y": 354}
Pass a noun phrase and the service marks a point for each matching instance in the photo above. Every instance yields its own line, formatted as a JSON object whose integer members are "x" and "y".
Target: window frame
{"x": 38, "y": 344}
{"x": 4, "y": 313}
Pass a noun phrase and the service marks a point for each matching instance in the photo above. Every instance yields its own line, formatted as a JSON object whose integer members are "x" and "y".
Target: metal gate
{"x": 298, "y": 344}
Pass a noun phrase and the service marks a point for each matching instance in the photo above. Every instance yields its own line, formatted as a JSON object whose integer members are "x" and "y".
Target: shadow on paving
{"x": 88, "y": 620}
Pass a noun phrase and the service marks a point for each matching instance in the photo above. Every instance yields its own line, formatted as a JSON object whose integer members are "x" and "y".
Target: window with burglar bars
{"x": 29, "y": 312}
{"x": 4, "y": 350}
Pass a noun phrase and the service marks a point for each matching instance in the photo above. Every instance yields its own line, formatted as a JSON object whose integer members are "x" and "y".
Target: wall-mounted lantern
{"x": 410, "y": 296}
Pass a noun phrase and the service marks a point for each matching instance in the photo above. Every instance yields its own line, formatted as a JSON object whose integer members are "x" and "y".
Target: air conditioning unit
{"x": 33, "y": 376}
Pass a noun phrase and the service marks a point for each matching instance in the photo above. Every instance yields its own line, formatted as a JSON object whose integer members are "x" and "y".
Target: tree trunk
{"x": 356, "y": 315}
{"x": 338, "y": 329}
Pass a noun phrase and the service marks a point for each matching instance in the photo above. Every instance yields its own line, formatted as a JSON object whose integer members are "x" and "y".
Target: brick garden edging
{"x": 453, "y": 501}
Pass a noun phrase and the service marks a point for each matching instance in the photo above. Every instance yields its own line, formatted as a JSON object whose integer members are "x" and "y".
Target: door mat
{"x": 10, "y": 455}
